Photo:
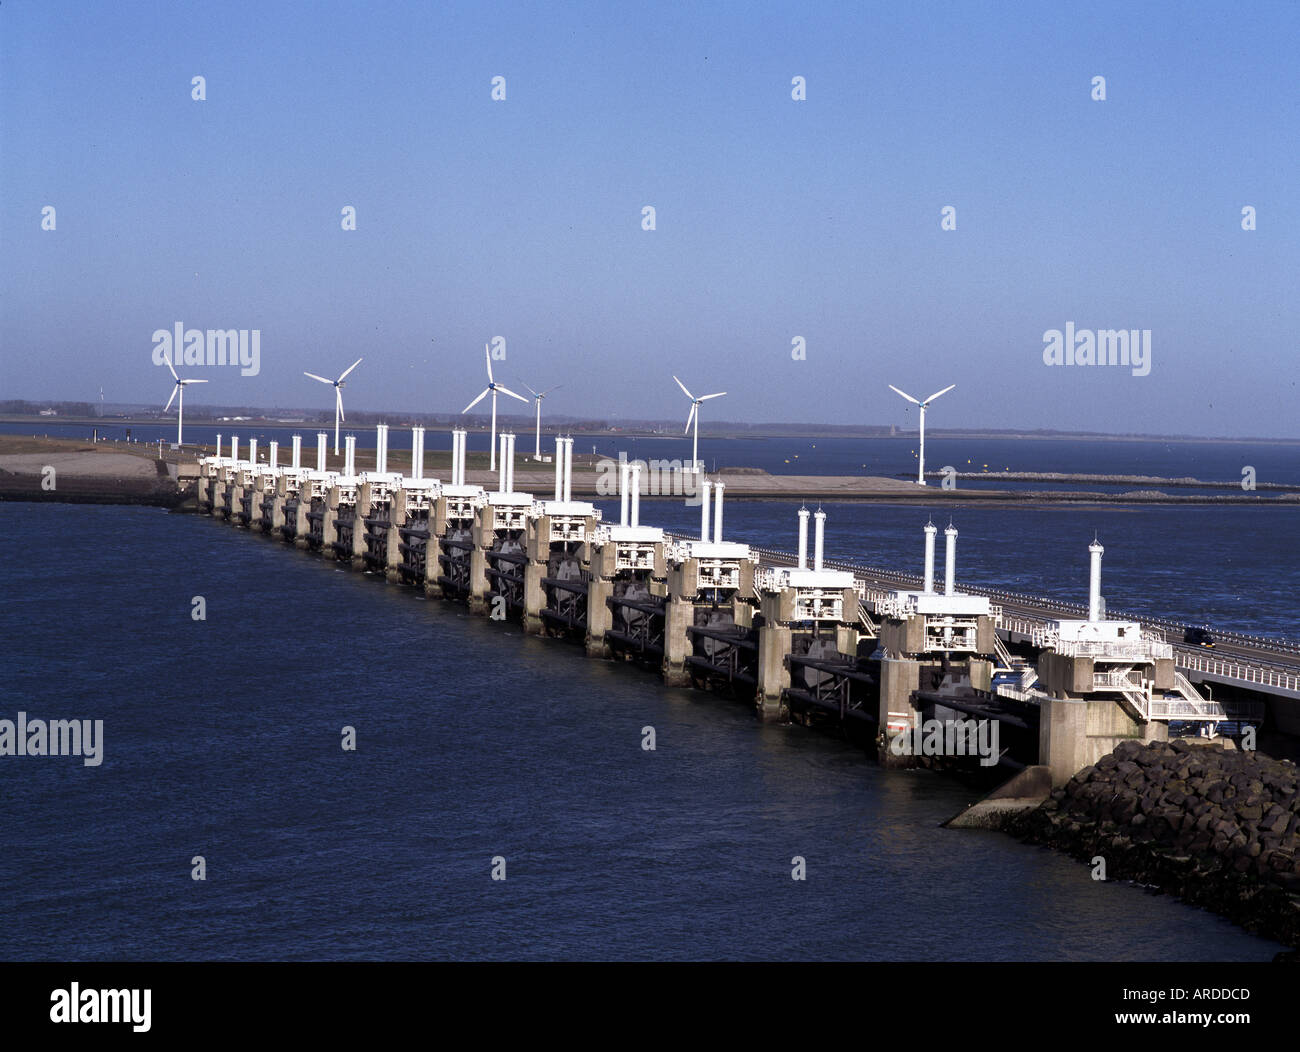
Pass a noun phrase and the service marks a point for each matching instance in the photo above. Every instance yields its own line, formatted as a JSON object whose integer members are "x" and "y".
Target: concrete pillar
{"x": 599, "y": 616}
{"x": 277, "y": 513}
{"x": 774, "y": 641}
{"x": 297, "y": 452}
{"x": 679, "y": 614}
{"x": 300, "y": 523}
{"x": 899, "y": 677}
{"x": 274, "y": 458}
{"x": 432, "y": 564}
{"x": 320, "y": 450}
{"x": 1062, "y": 737}
{"x": 329, "y": 524}
{"x": 255, "y": 505}
{"x": 478, "y": 581}
{"x": 396, "y": 520}
{"x": 362, "y": 509}
{"x": 534, "y": 598}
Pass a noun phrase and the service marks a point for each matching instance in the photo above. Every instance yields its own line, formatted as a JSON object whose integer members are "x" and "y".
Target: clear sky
{"x": 775, "y": 218}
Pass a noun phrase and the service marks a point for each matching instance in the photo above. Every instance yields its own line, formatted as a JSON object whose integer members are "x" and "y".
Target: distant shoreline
{"x": 361, "y": 419}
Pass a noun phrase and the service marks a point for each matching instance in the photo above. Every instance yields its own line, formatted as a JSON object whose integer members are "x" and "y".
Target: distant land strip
{"x": 1112, "y": 480}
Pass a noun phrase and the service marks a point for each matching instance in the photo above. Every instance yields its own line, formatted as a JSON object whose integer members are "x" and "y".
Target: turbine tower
{"x": 177, "y": 390}
{"x": 491, "y": 389}
{"x": 694, "y": 417}
{"x": 537, "y": 397}
{"x": 920, "y": 471}
{"x": 338, "y": 397}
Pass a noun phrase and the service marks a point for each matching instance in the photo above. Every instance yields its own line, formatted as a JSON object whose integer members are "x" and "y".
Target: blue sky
{"x": 774, "y": 218}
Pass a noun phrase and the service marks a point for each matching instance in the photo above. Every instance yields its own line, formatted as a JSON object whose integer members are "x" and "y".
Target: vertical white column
{"x": 417, "y": 452}
{"x": 635, "y": 480}
{"x": 568, "y": 469}
{"x": 950, "y": 560}
{"x": 350, "y": 455}
{"x": 930, "y": 530}
{"x": 218, "y": 443}
{"x": 234, "y": 447}
{"x": 252, "y": 450}
{"x": 297, "y": 451}
{"x": 1094, "y": 581}
{"x": 803, "y": 538}
{"x": 705, "y": 487}
{"x": 559, "y": 468}
{"x": 274, "y": 458}
{"x": 381, "y": 448}
{"x": 819, "y": 538}
{"x": 717, "y": 512}
{"x": 320, "y": 450}
{"x": 624, "y": 483}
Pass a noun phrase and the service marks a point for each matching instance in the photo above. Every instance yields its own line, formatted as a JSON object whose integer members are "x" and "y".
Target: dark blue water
{"x": 222, "y": 740}
{"x": 1209, "y": 460}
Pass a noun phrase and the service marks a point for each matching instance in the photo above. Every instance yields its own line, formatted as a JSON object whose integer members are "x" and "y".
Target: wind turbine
{"x": 491, "y": 389}
{"x": 920, "y": 471}
{"x": 537, "y": 397}
{"x": 695, "y": 417}
{"x": 178, "y": 389}
{"x": 338, "y": 386}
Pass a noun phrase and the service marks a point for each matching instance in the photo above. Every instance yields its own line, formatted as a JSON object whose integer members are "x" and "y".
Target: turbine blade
{"x": 487, "y": 357}
{"x": 549, "y": 390}
{"x": 175, "y": 388}
{"x": 705, "y": 398}
{"x": 683, "y": 387}
{"x": 938, "y": 393}
{"x": 338, "y": 395}
{"x": 191, "y": 381}
{"x": 320, "y": 378}
{"x": 506, "y": 390}
{"x": 477, "y": 400}
{"x": 169, "y": 366}
{"x": 904, "y": 394}
{"x": 690, "y": 418}
{"x": 530, "y": 390}
{"x": 350, "y": 368}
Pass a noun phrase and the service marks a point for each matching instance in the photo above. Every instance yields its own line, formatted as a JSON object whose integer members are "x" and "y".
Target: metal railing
{"x": 1235, "y": 670}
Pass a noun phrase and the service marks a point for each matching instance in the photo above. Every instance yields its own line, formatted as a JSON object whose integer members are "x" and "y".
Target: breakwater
{"x": 1219, "y": 829}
